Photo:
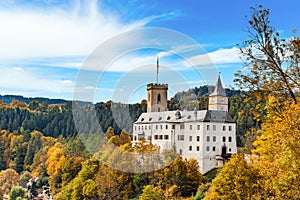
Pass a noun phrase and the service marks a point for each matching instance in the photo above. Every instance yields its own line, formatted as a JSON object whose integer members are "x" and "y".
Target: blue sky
{"x": 45, "y": 45}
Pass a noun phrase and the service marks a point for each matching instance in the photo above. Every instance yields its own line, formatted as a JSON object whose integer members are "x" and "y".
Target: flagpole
{"x": 157, "y": 67}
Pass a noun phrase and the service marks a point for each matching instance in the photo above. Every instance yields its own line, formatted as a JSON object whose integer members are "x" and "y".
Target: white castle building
{"x": 209, "y": 136}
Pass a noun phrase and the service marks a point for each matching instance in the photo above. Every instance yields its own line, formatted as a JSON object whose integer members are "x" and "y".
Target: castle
{"x": 209, "y": 136}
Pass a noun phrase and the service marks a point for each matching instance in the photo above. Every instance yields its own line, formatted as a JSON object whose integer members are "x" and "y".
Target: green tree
{"x": 17, "y": 192}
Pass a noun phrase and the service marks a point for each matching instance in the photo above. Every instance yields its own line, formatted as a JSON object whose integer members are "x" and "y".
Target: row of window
{"x": 207, "y": 149}
{"x": 157, "y": 127}
{"x": 208, "y": 138}
{"x": 181, "y": 138}
{"x": 214, "y": 127}
{"x": 198, "y": 149}
{"x": 214, "y": 139}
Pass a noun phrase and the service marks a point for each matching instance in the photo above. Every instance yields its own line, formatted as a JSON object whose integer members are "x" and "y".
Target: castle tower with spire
{"x": 218, "y": 99}
{"x": 209, "y": 136}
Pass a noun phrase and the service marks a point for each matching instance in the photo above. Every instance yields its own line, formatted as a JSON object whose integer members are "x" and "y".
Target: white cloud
{"x": 220, "y": 56}
{"x": 17, "y": 78}
{"x": 32, "y": 32}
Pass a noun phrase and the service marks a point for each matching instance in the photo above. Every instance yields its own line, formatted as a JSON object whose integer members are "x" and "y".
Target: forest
{"x": 40, "y": 143}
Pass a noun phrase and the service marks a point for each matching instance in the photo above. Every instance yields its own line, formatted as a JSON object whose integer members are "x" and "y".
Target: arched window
{"x": 158, "y": 98}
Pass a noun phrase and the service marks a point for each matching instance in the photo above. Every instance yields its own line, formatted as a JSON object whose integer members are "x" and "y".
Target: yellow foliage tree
{"x": 236, "y": 180}
{"x": 278, "y": 149}
{"x": 56, "y": 161}
{"x": 8, "y": 179}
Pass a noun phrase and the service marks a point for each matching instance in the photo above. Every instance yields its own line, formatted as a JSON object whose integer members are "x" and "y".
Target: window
{"x": 166, "y": 126}
{"x": 166, "y": 137}
{"x": 135, "y": 128}
{"x": 180, "y": 137}
{"x": 158, "y": 98}
{"x": 160, "y": 137}
{"x": 214, "y": 138}
{"x": 156, "y": 127}
{"x": 181, "y": 126}
{"x": 145, "y": 127}
{"x": 149, "y": 127}
{"x": 139, "y": 128}
{"x": 142, "y": 127}
{"x": 158, "y": 109}
{"x": 224, "y": 139}
{"x": 207, "y": 138}
{"x": 191, "y": 138}
{"x": 207, "y": 127}
{"x": 224, "y": 128}
{"x": 190, "y": 148}
{"x": 229, "y": 150}
{"x": 198, "y": 148}
{"x": 160, "y": 127}
{"x": 180, "y": 151}
{"x": 173, "y": 126}
{"x": 214, "y": 127}
{"x": 198, "y": 138}
{"x": 198, "y": 127}
{"x": 207, "y": 148}
{"x": 134, "y": 137}
{"x": 155, "y": 137}
{"x": 230, "y": 128}
{"x": 214, "y": 148}
{"x": 230, "y": 139}
{"x": 191, "y": 127}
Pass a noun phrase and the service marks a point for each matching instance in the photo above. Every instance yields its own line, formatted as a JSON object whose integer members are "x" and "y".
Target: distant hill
{"x": 53, "y": 120}
{"x": 27, "y": 100}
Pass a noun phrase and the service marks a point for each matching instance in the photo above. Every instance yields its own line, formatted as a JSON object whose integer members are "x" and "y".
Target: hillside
{"x": 55, "y": 117}
{"x": 8, "y": 99}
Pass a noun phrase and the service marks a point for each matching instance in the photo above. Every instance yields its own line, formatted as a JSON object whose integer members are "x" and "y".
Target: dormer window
{"x": 150, "y": 118}
{"x": 168, "y": 118}
{"x": 159, "y": 118}
{"x": 142, "y": 119}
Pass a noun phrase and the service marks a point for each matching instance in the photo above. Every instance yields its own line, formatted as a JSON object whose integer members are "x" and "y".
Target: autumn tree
{"x": 8, "y": 179}
{"x": 236, "y": 180}
{"x": 278, "y": 149}
{"x": 56, "y": 161}
{"x": 271, "y": 64}
{"x": 113, "y": 184}
{"x": 180, "y": 179}
{"x": 83, "y": 186}
{"x": 152, "y": 193}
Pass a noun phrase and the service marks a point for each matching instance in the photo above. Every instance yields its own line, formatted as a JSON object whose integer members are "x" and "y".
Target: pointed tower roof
{"x": 219, "y": 90}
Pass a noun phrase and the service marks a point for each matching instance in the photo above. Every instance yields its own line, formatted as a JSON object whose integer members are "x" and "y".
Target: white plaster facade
{"x": 209, "y": 136}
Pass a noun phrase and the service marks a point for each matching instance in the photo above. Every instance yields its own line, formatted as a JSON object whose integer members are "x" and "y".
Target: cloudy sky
{"x": 102, "y": 50}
